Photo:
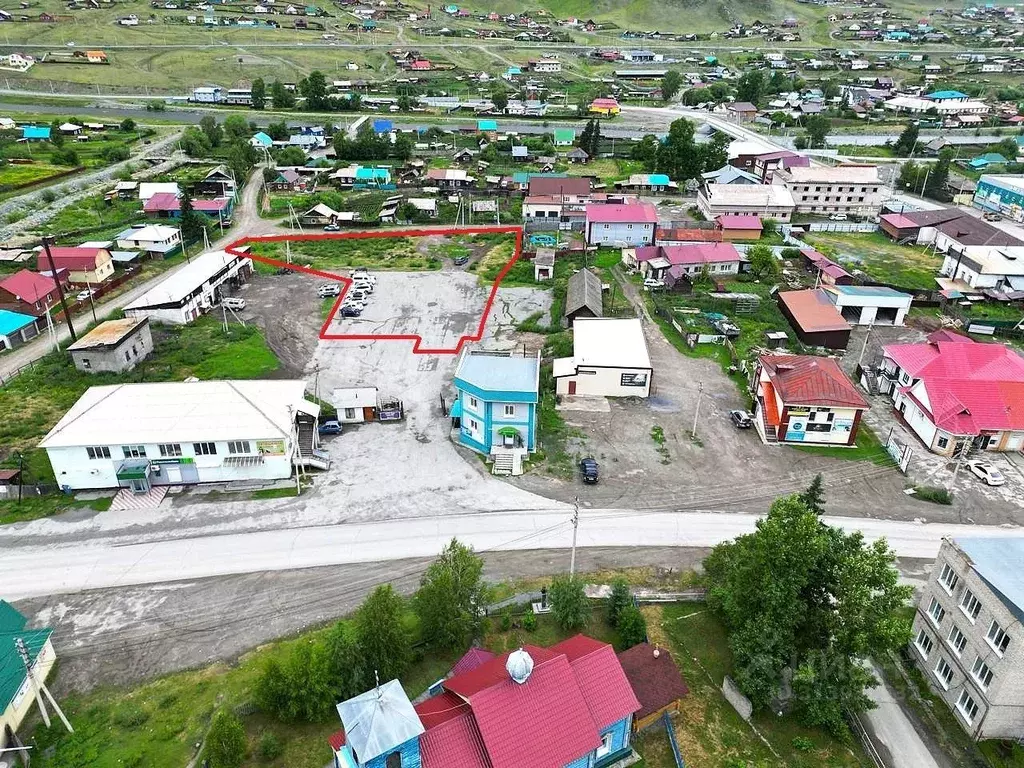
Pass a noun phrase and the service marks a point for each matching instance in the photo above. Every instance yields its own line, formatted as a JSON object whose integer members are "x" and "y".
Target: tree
{"x": 500, "y": 98}
{"x": 281, "y": 97}
{"x": 450, "y": 596}
{"x": 618, "y": 601}
{"x": 382, "y": 639}
{"x": 259, "y": 93}
{"x": 802, "y": 596}
{"x": 1007, "y": 148}
{"x": 299, "y": 687}
{"x": 241, "y": 157}
{"x": 907, "y": 141}
{"x": 314, "y": 88}
{"x": 192, "y": 225}
{"x": 671, "y": 82}
{"x": 678, "y": 155}
{"x": 127, "y": 125}
{"x": 56, "y": 136}
{"x": 935, "y": 185}
{"x": 278, "y": 131}
{"x": 213, "y": 131}
{"x": 195, "y": 143}
{"x": 814, "y": 497}
{"x": 909, "y": 174}
{"x": 67, "y": 156}
{"x": 646, "y": 151}
{"x": 569, "y": 602}
{"x": 290, "y": 156}
{"x": 751, "y": 86}
{"x": 225, "y": 741}
{"x": 817, "y": 128}
{"x": 632, "y": 627}
{"x": 589, "y": 139}
{"x": 348, "y": 673}
{"x": 694, "y": 96}
{"x": 237, "y": 127}
{"x": 715, "y": 153}
{"x": 829, "y": 89}
{"x": 763, "y": 263}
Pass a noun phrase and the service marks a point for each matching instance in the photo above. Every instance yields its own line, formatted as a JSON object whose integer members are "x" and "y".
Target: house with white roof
{"x": 193, "y": 290}
{"x": 609, "y": 359}
{"x": 174, "y": 433}
{"x": 154, "y": 239}
{"x": 149, "y": 188}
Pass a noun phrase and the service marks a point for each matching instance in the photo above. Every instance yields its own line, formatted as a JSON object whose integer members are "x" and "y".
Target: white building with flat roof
{"x": 173, "y": 433}
{"x": 609, "y": 359}
{"x": 766, "y": 201}
{"x": 822, "y": 189}
{"x": 193, "y": 290}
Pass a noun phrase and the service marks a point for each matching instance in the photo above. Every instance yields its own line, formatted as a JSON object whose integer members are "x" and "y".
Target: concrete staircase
{"x": 307, "y": 455}
{"x": 504, "y": 464}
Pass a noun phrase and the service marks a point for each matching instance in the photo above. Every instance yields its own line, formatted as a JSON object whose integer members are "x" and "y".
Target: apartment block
{"x": 967, "y": 636}
{"x": 850, "y": 189}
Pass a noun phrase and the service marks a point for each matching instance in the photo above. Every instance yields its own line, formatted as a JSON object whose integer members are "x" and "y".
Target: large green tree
{"x": 907, "y": 141}
{"x": 817, "y": 128}
{"x": 671, "y": 82}
{"x": 678, "y": 155}
{"x": 382, "y": 638}
{"x": 214, "y": 132}
{"x": 450, "y": 597}
{"x": 281, "y": 97}
{"x": 192, "y": 224}
{"x": 751, "y": 86}
{"x": 763, "y": 263}
{"x": 314, "y": 88}
{"x": 569, "y": 603}
{"x": 801, "y": 596}
{"x": 646, "y": 151}
{"x": 259, "y": 93}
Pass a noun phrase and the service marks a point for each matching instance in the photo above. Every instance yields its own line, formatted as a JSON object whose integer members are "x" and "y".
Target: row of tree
{"x": 679, "y": 155}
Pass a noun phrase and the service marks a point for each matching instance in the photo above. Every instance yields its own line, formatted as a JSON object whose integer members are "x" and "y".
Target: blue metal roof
{"x": 11, "y": 322}
{"x": 868, "y": 290}
{"x": 499, "y": 374}
{"x": 263, "y": 139}
{"x": 383, "y": 126}
{"x": 658, "y": 178}
{"x": 946, "y": 95}
{"x": 1000, "y": 562}
{"x": 35, "y": 132}
{"x": 523, "y": 177}
{"x": 487, "y": 125}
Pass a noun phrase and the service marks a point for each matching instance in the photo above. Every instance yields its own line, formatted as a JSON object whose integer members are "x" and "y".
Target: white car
{"x": 83, "y": 295}
{"x": 363, "y": 285}
{"x": 359, "y": 274}
{"x": 328, "y": 289}
{"x": 986, "y": 472}
{"x": 837, "y": 217}
{"x": 354, "y": 303}
{"x": 651, "y": 282}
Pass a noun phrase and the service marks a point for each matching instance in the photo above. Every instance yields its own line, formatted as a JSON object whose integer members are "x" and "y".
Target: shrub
{"x": 129, "y": 717}
{"x": 933, "y": 494}
{"x": 269, "y": 747}
{"x": 48, "y": 196}
{"x": 632, "y": 627}
{"x": 569, "y": 602}
{"x": 618, "y": 601}
{"x": 506, "y": 619}
{"x": 529, "y": 622}
{"x": 802, "y": 744}
{"x": 225, "y": 741}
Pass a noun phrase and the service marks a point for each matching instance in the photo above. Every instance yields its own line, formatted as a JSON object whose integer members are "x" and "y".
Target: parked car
{"x": 837, "y": 217}
{"x": 651, "y": 282}
{"x": 328, "y": 289}
{"x": 83, "y": 295}
{"x": 361, "y": 273}
{"x": 233, "y": 303}
{"x": 992, "y": 216}
{"x": 986, "y": 472}
{"x": 742, "y": 419}
{"x": 354, "y": 304}
{"x": 588, "y": 471}
{"x": 329, "y": 427}
{"x": 363, "y": 285}
{"x": 355, "y": 293}
{"x": 460, "y": 261}
{"x": 332, "y": 228}
{"x": 351, "y": 311}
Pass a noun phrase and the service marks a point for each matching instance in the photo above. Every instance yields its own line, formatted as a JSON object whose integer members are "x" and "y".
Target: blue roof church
{"x": 496, "y": 406}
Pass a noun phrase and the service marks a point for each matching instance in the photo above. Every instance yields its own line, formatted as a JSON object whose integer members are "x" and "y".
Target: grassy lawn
{"x": 35, "y": 400}
{"x": 93, "y": 212}
{"x": 155, "y": 724}
{"x": 907, "y": 266}
{"x": 366, "y": 203}
{"x": 34, "y": 507}
{"x": 402, "y": 254}
{"x": 15, "y": 175}
{"x": 709, "y": 731}
{"x": 868, "y": 448}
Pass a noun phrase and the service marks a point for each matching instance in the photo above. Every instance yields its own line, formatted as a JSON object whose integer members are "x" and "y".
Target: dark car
{"x": 330, "y": 427}
{"x": 460, "y": 260}
{"x": 588, "y": 470}
{"x": 741, "y": 419}
{"x": 350, "y": 312}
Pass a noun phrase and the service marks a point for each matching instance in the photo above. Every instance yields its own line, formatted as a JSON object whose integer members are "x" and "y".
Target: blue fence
{"x": 672, "y": 740}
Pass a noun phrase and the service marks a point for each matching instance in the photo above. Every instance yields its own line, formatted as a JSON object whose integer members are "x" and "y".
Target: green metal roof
{"x": 12, "y": 670}
{"x": 565, "y": 134}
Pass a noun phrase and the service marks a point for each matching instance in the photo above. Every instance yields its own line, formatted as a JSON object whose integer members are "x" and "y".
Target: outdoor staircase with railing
{"x": 771, "y": 432}
{"x": 307, "y": 455}
{"x": 507, "y": 462}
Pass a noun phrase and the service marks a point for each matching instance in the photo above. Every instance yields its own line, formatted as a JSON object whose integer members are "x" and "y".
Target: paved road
{"x": 248, "y": 221}
{"x": 896, "y": 738}
{"x": 40, "y": 570}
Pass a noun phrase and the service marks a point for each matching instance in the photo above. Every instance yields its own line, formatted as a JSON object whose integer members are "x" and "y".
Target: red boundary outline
{"x": 417, "y": 348}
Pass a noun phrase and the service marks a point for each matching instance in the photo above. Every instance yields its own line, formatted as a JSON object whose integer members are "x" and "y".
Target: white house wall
{"x": 605, "y": 382}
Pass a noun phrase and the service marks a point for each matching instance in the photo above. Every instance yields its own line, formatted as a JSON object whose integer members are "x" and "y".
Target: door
{"x": 173, "y": 473}
{"x": 1015, "y": 442}
{"x": 572, "y": 387}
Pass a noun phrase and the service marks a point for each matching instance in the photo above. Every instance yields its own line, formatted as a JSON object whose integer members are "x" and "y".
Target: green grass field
{"x": 15, "y": 175}
{"x": 403, "y": 254}
{"x": 908, "y": 266}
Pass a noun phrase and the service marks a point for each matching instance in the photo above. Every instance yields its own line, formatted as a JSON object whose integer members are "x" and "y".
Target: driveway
{"x": 895, "y": 737}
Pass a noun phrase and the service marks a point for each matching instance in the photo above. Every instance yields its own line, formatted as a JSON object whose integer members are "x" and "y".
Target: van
{"x": 233, "y": 303}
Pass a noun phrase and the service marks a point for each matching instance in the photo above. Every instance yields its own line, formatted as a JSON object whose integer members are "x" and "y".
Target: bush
{"x": 619, "y": 599}
{"x": 569, "y": 602}
{"x": 506, "y": 619}
{"x": 129, "y": 717}
{"x": 632, "y": 627}
{"x": 802, "y": 744}
{"x": 791, "y": 253}
{"x": 933, "y": 494}
{"x": 48, "y": 196}
{"x": 529, "y": 622}
{"x": 225, "y": 742}
{"x": 269, "y": 747}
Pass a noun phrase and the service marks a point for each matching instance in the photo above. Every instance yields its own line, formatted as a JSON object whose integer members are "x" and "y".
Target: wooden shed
{"x": 656, "y": 681}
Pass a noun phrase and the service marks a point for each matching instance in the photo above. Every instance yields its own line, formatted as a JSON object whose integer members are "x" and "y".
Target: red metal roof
{"x": 622, "y": 213}
{"x": 73, "y": 259}
{"x": 654, "y": 677}
{"x": 472, "y": 659}
{"x": 336, "y": 740}
{"x": 806, "y": 380}
{"x": 456, "y": 742}
{"x": 578, "y": 186}
{"x": 491, "y": 672}
{"x": 440, "y": 709}
{"x": 813, "y": 311}
{"x": 970, "y": 386}
{"x": 899, "y": 221}
{"x": 163, "y": 202}
{"x": 727, "y": 221}
{"x": 604, "y": 685}
{"x": 28, "y": 286}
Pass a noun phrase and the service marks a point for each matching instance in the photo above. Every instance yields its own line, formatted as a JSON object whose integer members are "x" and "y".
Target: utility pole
{"x": 21, "y": 474}
{"x": 60, "y": 289}
{"x": 575, "y": 528}
{"x": 40, "y": 685}
{"x": 864, "y": 346}
{"x": 696, "y": 412}
{"x": 92, "y": 304}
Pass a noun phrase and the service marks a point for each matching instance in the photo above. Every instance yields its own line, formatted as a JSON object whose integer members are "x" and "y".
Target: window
{"x": 966, "y": 707}
{"x": 606, "y": 745}
{"x": 510, "y": 410}
{"x": 970, "y": 605}
{"x": 473, "y": 403}
{"x": 394, "y": 760}
{"x": 350, "y": 413}
{"x": 924, "y": 644}
{"x": 170, "y": 449}
{"x": 98, "y": 452}
{"x": 957, "y": 641}
{"x": 948, "y": 578}
{"x": 238, "y": 446}
{"x": 134, "y": 451}
{"x": 982, "y": 674}
{"x": 86, "y": 363}
{"x": 127, "y": 357}
{"x": 944, "y": 673}
{"x": 205, "y": 449}
{"x": 943, "y": 442}
{"x": 936, "y": 612}
{"x": 997, "y": 638}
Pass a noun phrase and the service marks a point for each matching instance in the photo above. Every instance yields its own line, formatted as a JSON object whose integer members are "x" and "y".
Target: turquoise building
{"x": 496, "y": 406}
{"x": 1001, "y": 193}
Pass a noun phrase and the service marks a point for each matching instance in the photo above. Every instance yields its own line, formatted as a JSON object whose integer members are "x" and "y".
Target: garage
{"x": 869, "y": 304}
{"x": 609, "y": 359}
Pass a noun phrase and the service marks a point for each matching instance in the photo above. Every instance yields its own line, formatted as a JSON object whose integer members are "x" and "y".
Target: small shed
{"x": 583, "y": 297}
{"x": 355, "y": 404}
{"x": 10, "y": 479}
{"x": 655, "y": 680}
{"x": 815, "y": 318}
{"x": 544, "y": 264}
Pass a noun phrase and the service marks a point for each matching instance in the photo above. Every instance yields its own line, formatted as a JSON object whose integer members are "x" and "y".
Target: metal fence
{"x": 839, "y": 226}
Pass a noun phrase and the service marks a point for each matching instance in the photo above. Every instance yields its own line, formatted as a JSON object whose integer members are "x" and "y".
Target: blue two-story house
{"x": 567, "y": 706}
{"x": 496, "y": 406}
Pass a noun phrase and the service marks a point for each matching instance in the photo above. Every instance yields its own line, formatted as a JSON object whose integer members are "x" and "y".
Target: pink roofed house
{"x": 168, "y": 205}
{"x": 680, "y": 265}
{"x": 952, "y": 390}
{"x": 739, "y": 227}
{"x": 621, "y": 225}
